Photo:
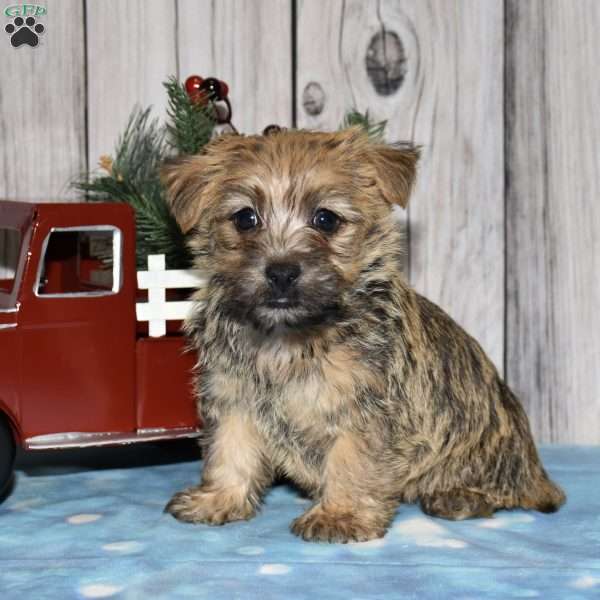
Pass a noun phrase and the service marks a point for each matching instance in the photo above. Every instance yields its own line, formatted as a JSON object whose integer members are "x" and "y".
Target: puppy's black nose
{"x": 282, "y": 276}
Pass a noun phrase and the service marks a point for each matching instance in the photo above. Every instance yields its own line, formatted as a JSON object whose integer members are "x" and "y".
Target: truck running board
{"x": 76, "y": 439}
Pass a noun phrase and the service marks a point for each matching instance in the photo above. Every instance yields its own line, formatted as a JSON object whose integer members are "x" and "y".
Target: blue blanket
{"x": 91, "y": 525}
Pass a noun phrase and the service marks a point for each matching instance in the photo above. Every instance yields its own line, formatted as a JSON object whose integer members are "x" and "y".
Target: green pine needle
{"x": 134, "y": 179}
{"x": 354, "y": 117}
{"x": 190, "y": 124}
{"x": 134, "y": 175}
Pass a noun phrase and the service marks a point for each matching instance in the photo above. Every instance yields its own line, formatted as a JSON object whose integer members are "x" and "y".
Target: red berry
{"x": 192, "y": 85}
{"x": 224, "y": 89}
{"x": 212, "y": 88}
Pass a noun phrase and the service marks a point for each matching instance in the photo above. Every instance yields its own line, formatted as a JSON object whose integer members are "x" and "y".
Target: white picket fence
{"x": 157, "y": 280}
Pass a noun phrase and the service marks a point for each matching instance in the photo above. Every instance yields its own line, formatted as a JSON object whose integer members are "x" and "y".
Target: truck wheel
{"x": 7, "y": 454}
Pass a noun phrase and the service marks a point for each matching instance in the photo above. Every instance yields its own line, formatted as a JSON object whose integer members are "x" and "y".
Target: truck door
{"x": 78, "y": 328}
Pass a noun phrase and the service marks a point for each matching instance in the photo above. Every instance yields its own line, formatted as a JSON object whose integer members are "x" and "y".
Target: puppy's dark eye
{"x": 325, "y": 220}
{"x": 245, "y": 219}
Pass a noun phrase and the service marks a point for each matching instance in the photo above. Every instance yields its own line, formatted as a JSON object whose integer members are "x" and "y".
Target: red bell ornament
{"x": 202, "y": 91}
{"x": 193, "y": 84}
{"x": 215, "y": 90}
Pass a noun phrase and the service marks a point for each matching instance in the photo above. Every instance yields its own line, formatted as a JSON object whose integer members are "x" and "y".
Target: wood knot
{"x": 313, "y": 98}
{"x": 386, "y": 62}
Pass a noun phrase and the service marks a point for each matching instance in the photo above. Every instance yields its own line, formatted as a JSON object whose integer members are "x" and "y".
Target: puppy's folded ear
{"x": 187, "y": 179}
{"x": 396, "y": 169}
{"x": 184, "y": 179}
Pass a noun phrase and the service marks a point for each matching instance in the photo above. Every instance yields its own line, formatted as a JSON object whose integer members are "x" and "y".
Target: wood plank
{"x": 442, "y": 89}
{"x": 42, "y": 112}
{"x": 131, "y": 52}
{"x": 246, "y": 44}
{"x": 553, "y": 217}
{"x": 333, "y": 45}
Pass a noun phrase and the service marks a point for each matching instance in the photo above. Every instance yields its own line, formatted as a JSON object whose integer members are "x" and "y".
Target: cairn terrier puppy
{"x": 319, "y": 363}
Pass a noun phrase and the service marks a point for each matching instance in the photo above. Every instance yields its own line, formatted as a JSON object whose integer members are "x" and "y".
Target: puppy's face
{"x": 283, "y": 224}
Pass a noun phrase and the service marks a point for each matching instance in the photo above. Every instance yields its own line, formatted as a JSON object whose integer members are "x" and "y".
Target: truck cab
{"x": 76, "y": 368}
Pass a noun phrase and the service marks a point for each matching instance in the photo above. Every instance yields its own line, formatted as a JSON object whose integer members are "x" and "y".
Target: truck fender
{"x": 12, "y": 421}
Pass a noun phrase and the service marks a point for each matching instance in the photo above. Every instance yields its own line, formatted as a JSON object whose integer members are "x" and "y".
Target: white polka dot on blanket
{"x": 505, "y": 521}
{"x": 250, "y": 550}
{"x": 125, "y": 547}
{"x": 83, "y": 518}
{"x": 376, "y": 543}
{"x": 425, "y": 532}
{"x": 26, "y": 504}
{"x": 211, "y": 536}
{"x": 274, "y": 569}
{"x": 586, "y": 582}
{"x": 99, "y": 590}
{"x": 301, "y": 501}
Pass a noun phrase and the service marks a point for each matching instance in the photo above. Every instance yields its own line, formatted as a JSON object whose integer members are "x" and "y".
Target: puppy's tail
{"x": 536, "y": 490}
{"x": 544, "y": 495}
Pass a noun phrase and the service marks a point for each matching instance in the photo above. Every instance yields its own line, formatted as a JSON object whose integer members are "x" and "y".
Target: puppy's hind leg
{"x": 235, "y": 476}
{"x": 509, "y": 477}
{"x": 457, "y": 504}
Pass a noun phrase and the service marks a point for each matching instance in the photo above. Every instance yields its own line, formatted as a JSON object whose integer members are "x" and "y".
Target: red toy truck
{"x": 76, "y": 367}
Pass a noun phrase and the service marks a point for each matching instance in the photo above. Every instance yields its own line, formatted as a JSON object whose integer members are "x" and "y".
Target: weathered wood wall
{"x": 553, "y": 214}
{"x": 503, "y": 230}
{"x": 42, "y": 113}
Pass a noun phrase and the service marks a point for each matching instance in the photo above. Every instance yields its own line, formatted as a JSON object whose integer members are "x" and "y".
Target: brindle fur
{"x": 365, "y": 395}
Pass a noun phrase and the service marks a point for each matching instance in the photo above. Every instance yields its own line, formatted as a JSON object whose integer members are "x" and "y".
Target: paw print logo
{"x": 24, "y": 32}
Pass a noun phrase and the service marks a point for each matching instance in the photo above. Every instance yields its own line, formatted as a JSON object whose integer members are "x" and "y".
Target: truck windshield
{"x": 10, "y": 247}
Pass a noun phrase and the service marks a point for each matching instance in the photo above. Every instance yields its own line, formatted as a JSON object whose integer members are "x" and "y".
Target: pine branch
{"x": 133, "y": 177}
{"x": 190, "y": 124}
{"x": 354, "y": 117}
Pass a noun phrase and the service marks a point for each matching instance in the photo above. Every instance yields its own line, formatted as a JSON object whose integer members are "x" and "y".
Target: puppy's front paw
{"x": 321, "y": 525}
{"x": 195, "y": 505}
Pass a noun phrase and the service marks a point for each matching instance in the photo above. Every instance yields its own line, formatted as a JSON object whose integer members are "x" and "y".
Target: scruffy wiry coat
{"x": 362, "y": 392}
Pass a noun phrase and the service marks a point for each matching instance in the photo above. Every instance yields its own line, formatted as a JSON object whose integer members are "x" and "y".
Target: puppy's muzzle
{"x": 282, "y": 278}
